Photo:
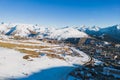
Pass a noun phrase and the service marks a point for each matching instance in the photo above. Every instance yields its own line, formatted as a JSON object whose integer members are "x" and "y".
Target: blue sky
{"x": 60, "y": 13}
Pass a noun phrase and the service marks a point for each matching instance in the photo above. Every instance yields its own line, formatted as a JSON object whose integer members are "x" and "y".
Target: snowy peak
{"x": 94, "y": 28}
{"x": 118, "y": 26}
{"x": 26, "y": 30}
{"x": 85, "y": 28}
{"x": 111, "y": 33}
{"x": 67, "y": 33}
{"x": 114, "y": 29}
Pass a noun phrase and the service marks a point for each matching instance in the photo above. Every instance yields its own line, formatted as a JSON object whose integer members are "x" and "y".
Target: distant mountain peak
{"x": 28, "y": 30}
{"x": 94, "y": 28}
{"x": 111, "y": 33}
{"x": 118, "y": 26}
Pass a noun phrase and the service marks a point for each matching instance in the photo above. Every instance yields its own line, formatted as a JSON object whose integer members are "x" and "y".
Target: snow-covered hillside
{"x": 22, "y": 30}
{"x": 68, "y": 32}
{"x": 111, "y": 33}
{"x": 26, "y": 30}
{"x": 13, "y": 66}
{"x": 93, "y": 28}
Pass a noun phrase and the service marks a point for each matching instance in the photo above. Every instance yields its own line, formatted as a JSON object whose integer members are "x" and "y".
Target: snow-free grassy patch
{"x": 32, "y": 50}
{"x": 51, "y": 50}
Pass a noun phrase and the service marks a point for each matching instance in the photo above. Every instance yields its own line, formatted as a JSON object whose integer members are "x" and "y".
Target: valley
{"x": 30, "y": 52}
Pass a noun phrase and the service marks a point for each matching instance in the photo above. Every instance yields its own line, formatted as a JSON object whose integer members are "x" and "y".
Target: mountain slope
{"x": 26, "y": 30}
{"x": 111, "y": 33}
{"x": 13, "y": 67}
{"x": 67, "y": 33}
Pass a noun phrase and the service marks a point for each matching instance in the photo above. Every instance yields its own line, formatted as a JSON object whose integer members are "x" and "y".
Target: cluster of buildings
{"x": 101, "y": 50}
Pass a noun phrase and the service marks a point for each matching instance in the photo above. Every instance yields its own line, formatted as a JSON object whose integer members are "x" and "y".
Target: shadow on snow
{"x": 55, "y": 73}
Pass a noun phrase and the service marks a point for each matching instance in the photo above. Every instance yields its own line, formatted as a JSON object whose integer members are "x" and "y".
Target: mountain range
{"x": 110, "y": 33}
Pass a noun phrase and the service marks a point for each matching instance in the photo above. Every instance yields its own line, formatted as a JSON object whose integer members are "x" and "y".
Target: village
{"x": 107, "y": 53}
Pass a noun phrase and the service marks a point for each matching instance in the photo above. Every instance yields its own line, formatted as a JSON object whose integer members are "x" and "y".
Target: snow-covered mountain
{"x": 111, "y": 33}
{"x": 26, "y": 30}
{"x": 68, "y": 32}
{"x": 93, "y": 28}
{"x": 90, "y": 30}
{"x": 22, "y": 29}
